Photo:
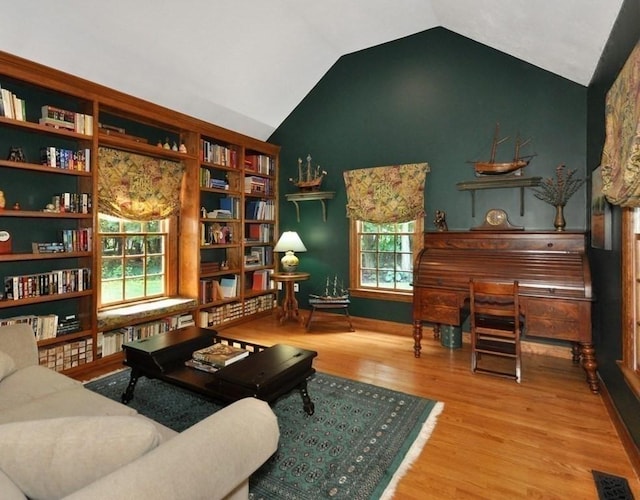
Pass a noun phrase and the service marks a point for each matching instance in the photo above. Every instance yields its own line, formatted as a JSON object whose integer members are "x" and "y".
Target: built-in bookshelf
{"x": 237, "y": 221}
{"x": 52, "y": 128}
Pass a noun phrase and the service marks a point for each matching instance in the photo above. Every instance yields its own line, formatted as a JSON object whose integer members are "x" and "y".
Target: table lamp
{"x": 289, "y": 243}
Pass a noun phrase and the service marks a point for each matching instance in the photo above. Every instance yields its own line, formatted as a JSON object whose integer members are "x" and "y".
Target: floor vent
{"x": 611, "y": 487}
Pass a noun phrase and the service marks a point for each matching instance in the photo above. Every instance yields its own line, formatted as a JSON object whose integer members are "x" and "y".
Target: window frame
{"x": 354, "y": 266}
{"x": 171, "y": 267}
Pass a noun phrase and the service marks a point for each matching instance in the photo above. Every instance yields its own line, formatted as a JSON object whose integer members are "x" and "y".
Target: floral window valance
{"x": 386, "y": 194}
{"x": 621, "y": 153}
{"x": 138, "y": 187}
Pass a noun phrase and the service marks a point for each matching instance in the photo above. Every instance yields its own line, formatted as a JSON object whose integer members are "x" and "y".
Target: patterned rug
{"x": 357, "y": 445}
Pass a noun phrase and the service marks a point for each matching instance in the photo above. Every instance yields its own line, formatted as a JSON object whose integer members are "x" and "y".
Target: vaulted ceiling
{"x": 246, "y": 64}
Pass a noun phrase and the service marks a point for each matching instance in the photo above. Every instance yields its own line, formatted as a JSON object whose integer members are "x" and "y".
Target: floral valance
{"x": 386, "y": 194}
{"x": 621, "y": 153}
{"x": 138, "y": 187}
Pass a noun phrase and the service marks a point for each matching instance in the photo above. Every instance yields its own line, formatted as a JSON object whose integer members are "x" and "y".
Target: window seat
{"x": 117, "y": 317}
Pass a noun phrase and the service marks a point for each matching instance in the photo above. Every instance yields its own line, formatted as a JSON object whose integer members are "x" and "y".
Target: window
{"x": 630, "y": 364}
{"x": 382, "y": 257}
{"x": 133, "y": 260}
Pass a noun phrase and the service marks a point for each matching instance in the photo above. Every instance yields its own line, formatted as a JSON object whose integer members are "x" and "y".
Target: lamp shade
{"x": 289, "y": 240}
{"x": 289, "y": 243}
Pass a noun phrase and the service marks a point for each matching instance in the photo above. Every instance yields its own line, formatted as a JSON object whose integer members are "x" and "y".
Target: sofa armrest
{"x": 206, "y": 461}
{"x": 19, "y": 342}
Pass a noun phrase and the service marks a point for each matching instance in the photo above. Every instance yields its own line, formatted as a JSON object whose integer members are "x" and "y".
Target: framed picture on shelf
{"x": 600, "y": 213}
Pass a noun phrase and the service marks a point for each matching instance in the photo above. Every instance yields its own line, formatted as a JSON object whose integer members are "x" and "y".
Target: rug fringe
{"x": 414, "y": 451}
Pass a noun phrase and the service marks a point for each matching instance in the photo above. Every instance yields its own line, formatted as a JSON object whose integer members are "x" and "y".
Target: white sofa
{"x": 60, "y": 440}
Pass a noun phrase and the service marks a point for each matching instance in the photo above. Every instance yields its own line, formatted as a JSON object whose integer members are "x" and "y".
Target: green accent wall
{"x": 436, "y": 97}
{"x": 606, "y": 265}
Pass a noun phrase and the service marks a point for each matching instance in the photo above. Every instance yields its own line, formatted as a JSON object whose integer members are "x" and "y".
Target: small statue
{"x": 3, "y": 202}
{"x": 16, "y": 154}
{"x": 16, "y": 206}
{"x": 183, "y": 148}
{"x": 441, "y": 221}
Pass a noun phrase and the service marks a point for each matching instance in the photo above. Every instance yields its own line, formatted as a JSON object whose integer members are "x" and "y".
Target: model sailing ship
{"x": 491, "y": 167}
{"x": 332, "y": 293}
{"x": 309, "y": 178}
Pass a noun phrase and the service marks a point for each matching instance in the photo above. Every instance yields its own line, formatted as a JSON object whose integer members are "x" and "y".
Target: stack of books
{"x": 216, "y": 356}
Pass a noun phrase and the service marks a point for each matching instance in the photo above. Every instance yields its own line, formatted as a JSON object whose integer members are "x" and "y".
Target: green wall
{"x": 435, "y": 97}
{"x": 606, "y": 265}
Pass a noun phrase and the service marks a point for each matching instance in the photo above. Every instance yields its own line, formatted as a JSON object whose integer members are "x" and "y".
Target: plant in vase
{"x": 556, "y": 192}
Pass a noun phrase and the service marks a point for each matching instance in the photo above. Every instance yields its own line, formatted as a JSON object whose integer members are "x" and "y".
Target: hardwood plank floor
{"x": 495, "y": 439}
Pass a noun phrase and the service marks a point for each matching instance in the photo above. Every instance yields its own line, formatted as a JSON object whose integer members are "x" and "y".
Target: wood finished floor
{"x": 495, "y": 439}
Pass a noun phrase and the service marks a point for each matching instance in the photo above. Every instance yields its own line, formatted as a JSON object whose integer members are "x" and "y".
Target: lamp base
{"x": 289, "y": 262}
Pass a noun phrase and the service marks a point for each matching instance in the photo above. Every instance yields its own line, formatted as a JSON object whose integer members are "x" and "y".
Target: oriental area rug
{"x": 358, "y": 443}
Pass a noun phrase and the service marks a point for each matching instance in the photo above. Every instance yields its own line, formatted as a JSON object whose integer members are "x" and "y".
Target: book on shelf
{"x": 199, "y": 365}
{"x": 229, "y": 286}
{"x": 220, "y": 355}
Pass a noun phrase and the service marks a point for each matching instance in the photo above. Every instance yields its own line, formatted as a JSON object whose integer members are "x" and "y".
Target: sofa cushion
{"x": 75, "y": 402}
{"x": 7, "y": 365}
{"x": 52, "y": 458}
{"x": 9, "y": 489}
{"x": 31, "y": 383}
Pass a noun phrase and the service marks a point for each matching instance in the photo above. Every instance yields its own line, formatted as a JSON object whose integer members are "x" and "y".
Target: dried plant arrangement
{"x": 557, "y": 191}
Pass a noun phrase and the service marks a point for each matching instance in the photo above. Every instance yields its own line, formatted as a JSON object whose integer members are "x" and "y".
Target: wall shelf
{"x": 311, "y": 196}
{"x": 497, "y": 183}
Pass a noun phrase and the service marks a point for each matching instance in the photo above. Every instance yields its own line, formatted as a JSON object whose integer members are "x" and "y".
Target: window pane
{"x": 134, "y": 245}
{"x": 132, "y": 227}
{"x": 111, "y": 246}
{"x": 155, "y": 265}
{"x": 154, "y": 226}
{"x": 155, "y": 244}
{"x": 155, "y": 285}
{"x": 134, "y": 288}
{"x": 134, "y": 267}
{"x": 111, "y": 291}
{"x": 368, "y": 242}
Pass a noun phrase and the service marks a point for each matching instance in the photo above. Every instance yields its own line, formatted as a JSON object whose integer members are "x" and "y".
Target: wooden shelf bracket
{"x": 497, "y": 183}
{"x": 310, "y": 196}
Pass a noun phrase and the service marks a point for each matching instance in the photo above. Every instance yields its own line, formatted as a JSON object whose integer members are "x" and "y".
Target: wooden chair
{"x": 496, "y": 326}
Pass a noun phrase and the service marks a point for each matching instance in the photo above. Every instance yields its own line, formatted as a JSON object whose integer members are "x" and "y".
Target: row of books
{"x": 261, "y": 280}
{"x": 232, "y": 205}
{"x": 46, "y": 326}
{"x": 260, "y": 256}
{"x": 259, "y": 304}
{"x": 220, "y": 314}
{"x": 208, "y": 181}
{"x": 75, "y": 203}
{"x": 210, "y": 291}
{"x": 224, "y": 313}
{"x": 262, "y": 233}
{"x": 259, "y": 163}
{"x": 111, "y": 342}
{"x": 209, "y": 267}
{"x": 260, "y": 186}
{"x": 220, "y": 155}
{"x": 66, "y": 159}
{"x": 56, "y": 282}
{"x": 53, "y": 116}
{"x": 77, "y": 240}
{"x": 260, "y": 210}
{"x": 11, "y": 106}
{"x": 68, "y": 355}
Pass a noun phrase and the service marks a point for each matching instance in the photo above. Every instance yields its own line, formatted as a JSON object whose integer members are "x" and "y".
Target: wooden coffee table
{"x": 267, "y": 373}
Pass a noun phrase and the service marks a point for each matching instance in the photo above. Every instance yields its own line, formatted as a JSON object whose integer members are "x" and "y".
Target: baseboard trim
{"x": 623, "y": 433}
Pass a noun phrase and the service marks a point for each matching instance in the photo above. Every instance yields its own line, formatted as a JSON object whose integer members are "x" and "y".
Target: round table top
{"x": 290, "y": 276}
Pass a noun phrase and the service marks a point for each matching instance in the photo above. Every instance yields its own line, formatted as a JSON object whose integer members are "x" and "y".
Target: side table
{"x": 289, "y": 303}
